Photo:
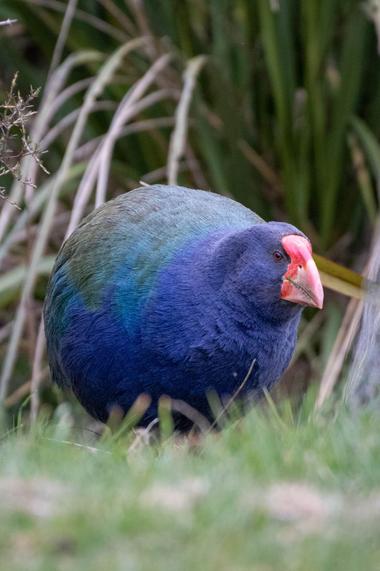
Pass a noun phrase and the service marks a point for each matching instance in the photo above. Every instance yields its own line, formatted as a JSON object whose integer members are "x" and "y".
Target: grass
{"x": 270, "y": 492}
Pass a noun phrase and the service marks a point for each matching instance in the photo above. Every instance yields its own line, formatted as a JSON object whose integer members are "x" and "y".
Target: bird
{"x": 167, "y": 291}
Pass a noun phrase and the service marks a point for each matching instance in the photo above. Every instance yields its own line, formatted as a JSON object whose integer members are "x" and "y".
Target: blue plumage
{"x": 169, "y": 291}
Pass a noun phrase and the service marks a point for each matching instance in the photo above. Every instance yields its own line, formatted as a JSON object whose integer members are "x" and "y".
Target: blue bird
{"x": 172, "y": 291}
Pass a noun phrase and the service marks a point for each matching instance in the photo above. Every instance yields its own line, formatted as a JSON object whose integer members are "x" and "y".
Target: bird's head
{"x": 274, "y": 270}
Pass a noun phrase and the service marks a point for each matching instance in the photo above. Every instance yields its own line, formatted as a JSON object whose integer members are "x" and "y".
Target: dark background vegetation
{"x": 284, "y": 117}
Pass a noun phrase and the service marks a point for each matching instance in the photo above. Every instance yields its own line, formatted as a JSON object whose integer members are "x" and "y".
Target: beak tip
{"x": 319, "y": 295}
{"x": 301, "y": 282}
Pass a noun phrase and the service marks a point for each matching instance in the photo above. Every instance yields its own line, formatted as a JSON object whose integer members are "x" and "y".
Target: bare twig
{"x": 15, "y": 143}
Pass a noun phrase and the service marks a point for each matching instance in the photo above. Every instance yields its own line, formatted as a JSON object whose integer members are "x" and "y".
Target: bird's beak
{"x": 301, "y": 282}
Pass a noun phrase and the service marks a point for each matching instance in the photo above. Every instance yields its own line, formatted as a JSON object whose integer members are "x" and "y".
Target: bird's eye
{"x": 278, "y": 256}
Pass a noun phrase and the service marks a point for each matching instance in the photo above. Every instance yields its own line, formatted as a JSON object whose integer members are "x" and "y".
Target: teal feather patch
{"x": 124, "y": 243}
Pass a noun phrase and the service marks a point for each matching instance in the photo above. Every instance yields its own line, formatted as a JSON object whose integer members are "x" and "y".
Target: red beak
{"x": 301, "y": 282}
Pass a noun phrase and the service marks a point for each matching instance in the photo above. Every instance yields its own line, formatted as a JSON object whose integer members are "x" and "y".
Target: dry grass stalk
{"x": 37, "y": 372}
{"x": 178, "y": 140}
{"x": 83, "y": 16}
{"x": 363, "y": 382}
{"x": 7, "y": 22}
{"x": 340, "y": 350}
{"x": 63, "y": 33}
{"x": 120, "y": 16}
{"x": 88, "y": 149}
{"x": 125, "y": 111}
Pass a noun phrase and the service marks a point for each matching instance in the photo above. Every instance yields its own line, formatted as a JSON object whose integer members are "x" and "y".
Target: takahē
{"x": 171, "y": 291}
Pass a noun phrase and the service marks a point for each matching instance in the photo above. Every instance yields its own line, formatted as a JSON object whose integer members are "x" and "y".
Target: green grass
{"x": 271, "y": 492}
